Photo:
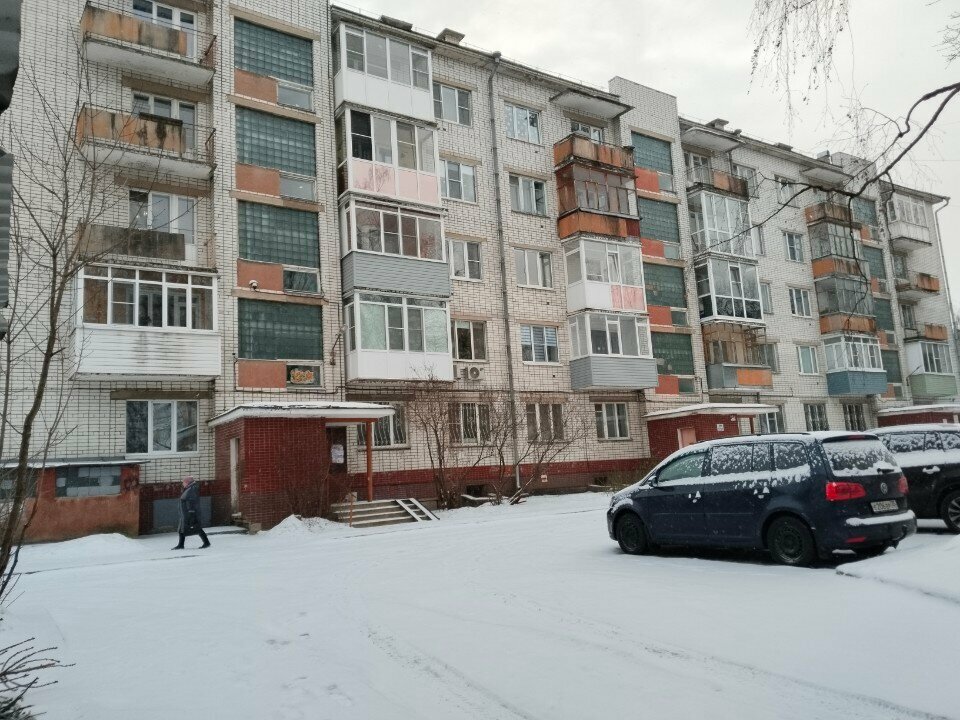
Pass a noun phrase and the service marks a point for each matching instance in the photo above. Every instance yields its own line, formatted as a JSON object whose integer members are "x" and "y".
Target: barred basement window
{"x": 161, "y": 427}
{"x": 544, "y": 422}
{"x": 658, "y": 220}
{"x": 665, "y": 286}
{"x": 815, "y": 416}
{"x": 854, "y": 417}
{"x": 271, "y": 141}
{"x": 265, "y": 51}
{"x": 88, "y": 481}
{"x": 387, "y": 431}
{"x": 278, "y": 235}
{"x": 612, "y": 422}
{"x": 279, "y": 331}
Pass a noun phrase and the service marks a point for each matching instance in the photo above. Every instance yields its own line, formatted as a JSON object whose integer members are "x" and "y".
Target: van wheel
{"x": 950, "y": 511}
{"x": 631, "y": 534}
{"x": 790, "y": 542}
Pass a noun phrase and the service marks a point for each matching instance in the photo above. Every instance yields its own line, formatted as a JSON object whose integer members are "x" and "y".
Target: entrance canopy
{"x": 742, "y": 409}
{"x": 329, "y": 413}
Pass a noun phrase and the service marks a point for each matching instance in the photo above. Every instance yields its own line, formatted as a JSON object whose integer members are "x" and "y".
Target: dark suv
{"x": 930, "y": 458}
{"x": 799, "y": 496}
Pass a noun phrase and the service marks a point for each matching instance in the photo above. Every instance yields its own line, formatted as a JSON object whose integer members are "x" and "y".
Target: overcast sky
{"x": 699, "y": 50}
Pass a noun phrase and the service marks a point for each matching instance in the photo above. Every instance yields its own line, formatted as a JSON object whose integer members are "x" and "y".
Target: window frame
{"x": 814, "y": 360}
{"x": 793, "y": 246}
{"x": 512, "y": 114}
{"x": 538, "y": 415}
{"x": 528, "y": 189}
{"x": 394, "y": 428}
{"x": 540, "y": 260}
{"x": 546, "y": 331}
{"x": 477, "y": 410}
{"x": 800, "y": 300}
{"x": 936, "y": 358}
{"x": 352, "y": 227}
{"x": 858, "y": 353}
{"x": 445, "y": 181}
{"x": 174, "y": 429}
{"x": 815, "y": 417}
{"x": 766, "y": 298}
{"x": 854, "y": 417}
{"x": 454, "y": 244}
{"x": 389, "y": 42}
{"x": 438, "y": 88}
{"x": 472, "y": 326}
{"x": 409, "y": 306}
{"x": 606, "y": 412}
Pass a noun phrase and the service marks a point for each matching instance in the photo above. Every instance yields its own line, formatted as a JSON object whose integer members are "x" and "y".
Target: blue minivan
{"x": 799, "y": 496}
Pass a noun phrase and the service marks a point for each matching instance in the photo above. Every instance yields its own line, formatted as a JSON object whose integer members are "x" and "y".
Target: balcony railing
{"x": 113, "y": 34}
{"x": 917, "y": 285}
{"x": 579, "y": 147}
{"x": 122, "y": 137}
{"x": 98, "y": 240}
{"x": 731, "y": 376}
{"x": 926, "y": 331}
{"x": 702, "y": 176}
{"x": 905, "y": 236}
{"x": 829, "y": 211}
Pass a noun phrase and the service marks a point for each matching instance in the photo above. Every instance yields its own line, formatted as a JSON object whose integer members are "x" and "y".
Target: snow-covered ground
{"x": 528, "y": 612}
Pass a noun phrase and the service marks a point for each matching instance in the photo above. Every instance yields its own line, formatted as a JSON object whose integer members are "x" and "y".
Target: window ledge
{"x": 466, "y": 279}
{"x": 527, "y": 213}
{"x": 362, "y": 449}
{"x": 162, "y": 455}
{"x": 537, "y": 287}
{"x": 614, "y": 440}
{"x": 475, "y": 203}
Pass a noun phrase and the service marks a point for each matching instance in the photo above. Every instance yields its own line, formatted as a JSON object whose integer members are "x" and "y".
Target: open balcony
{"x": 578, "y": 147}
{"x": 99, "y": 240}
{"x": 174, "y": 50}
{"x": 704, "y": 177}
{"x": 906, "y": 236}
{"x": 145, "y": 143}
{"x": 722, "y": 376}
{"x": 927, "y": 331}
{"x": 917, "y": 285}
{"x": 829, "y": 211}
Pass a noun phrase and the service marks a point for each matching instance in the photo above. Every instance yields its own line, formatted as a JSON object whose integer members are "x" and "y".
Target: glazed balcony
{"x": 916, "y": 286}
{"x": 722, "y": 376}
{"x": 113, "y": 35}
{"x": 578, "y": 147}
{"x": 834, "y": 265}
{"x": 706, "y": 178}
{"x": 145, "y": 143}
{"x": 907, "y": 236}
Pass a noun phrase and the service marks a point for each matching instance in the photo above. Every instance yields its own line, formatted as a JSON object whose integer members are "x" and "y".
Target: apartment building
{"x": 308, "y": 214}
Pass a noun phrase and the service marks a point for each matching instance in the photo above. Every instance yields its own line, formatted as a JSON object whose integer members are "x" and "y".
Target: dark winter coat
{"x": 190, "y": 510}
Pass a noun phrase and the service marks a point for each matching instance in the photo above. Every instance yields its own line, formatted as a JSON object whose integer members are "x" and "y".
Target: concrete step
{"x": 380, "y": 512}
{"x": 398, "y": 513}
{"x": 382, "y": 521}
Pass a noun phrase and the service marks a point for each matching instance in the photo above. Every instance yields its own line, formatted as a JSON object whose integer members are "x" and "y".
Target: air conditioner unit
{"x": 470, "y": 373}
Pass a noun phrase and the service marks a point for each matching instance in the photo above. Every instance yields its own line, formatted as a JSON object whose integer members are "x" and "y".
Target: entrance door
{"x": 234, "y": 476}
{"x": 686, "y": 436}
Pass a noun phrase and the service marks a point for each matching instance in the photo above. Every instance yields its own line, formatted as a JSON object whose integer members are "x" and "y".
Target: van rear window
{"x": 859, "y": 457}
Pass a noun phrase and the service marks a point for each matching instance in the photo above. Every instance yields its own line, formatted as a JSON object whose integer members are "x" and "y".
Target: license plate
{"x": 884, "y": 505}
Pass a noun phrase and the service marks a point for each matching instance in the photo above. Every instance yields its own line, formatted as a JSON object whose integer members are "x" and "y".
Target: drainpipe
{"x": 498, "y": 195}
{"x": 946, "y": 281}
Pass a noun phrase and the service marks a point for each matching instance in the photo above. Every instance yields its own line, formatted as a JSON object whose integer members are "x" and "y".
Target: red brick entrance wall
{"x": 918, "y": 417}
{"x": 664, "y": 438}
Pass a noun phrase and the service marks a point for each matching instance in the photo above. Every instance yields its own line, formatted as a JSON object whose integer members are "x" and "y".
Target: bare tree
{"x": 550, "y": 433}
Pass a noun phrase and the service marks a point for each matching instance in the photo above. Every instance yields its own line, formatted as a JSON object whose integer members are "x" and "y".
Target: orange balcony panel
{"x": 930, "y": 283}
{"x": 149, "y": 132}
{"x": 131, "y": 29}
{"x": 268, "y": 276}
{"x": 847, "y": 323}
{"x": 827, "y": 211}
{"x": 261, "y": 374}
{"x": 932, "y": 331}
{"x": 648, "y": 180}
{"x": 255, "y": 179}
{"x": 660, "y": 315}
{"x": 583, "y": 148}
{"x": 730, "y": 183}
{"x": 255, "y": 86}
{"x": 597, "y": 224}
{"x": 653, "y": 248}
{"x": 754, "y": 377}
{"x": 822, "y": 267}
{"x": 668, "y": 385}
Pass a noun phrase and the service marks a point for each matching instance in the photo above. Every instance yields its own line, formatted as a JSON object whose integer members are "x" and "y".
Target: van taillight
{"x": 903, "y": 486}
{"x": 844, "y": 491}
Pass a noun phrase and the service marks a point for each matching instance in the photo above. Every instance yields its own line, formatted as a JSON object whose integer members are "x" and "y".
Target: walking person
{"x": 190, "y": 513}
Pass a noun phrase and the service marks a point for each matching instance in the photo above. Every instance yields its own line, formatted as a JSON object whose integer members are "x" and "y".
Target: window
{"x": 279, "y": 331}
{"x": 807, "y": 359}
{"x": 771, "y": 422}
{"x": 904, "y": 442}
{"x": 936, "y": 358}
{"x": 799, "y": 302}
{"x": 654, "y": 154}
{"x": 88, "y": 481}
{"x": 538, "y": 344}
{"x": 683, "y": 468}
{"x": 900, "y": 266}
{"x": 186, "y": 113}
{"x": 534, "y": 268}
{"x": 815, "y": 416}
{"x": 609, "y": 334}
{"x": 387, "y": 431}
{"x": 394, "y": 323}
{"x": 950, "y": 440}
{"x": 396, "y": 232}
{"x": 854, "y": 417}
{"x": 612, "y": 263}
{"x": 544, "y": 422}
{"x": 748, "y": 174}
{"x": 276, "y": 142}
{"x": 908, "y": 316}
{"x": 164, "y": 213}
{"x": 458, "y": 181}
{"x": 372, "y": 138}
{"x": 590, "y": 131}
{"x": 766, "y": 298}
{"x": 126, "y": 296}
{"x": 891, "y": 363}
{"x": 658, "y": 220}
{"x": 786, "y": 189}
{"x": 874, "y": 257}
{"x": 674, "y": 353}
{"x": 721, "y": 224}
{"x": 523, "y": 123}
{"x": 527, "y": 195}
{"x": 469, "y": 339}
{"x": 387, "y": 58}
{"x": 470, "y": 423}
{"x": 301, "y": 281}
{"x": 612, "y": 422}
{"x": 451, "y": 104}
{"x": 727, "y": 288}
{"x": 831, "y": 239}
{"x": 665, "y": 285}
{"x": 907, "y": 210}
{"x": 265, "y": 51}
{"x": 766, "y": 354}
{"x": 465, "y": 259}
{"x": 865, "y": 211}
{"x": 794, "y": 246}
{"x": 844, "y": 295}
{"x": 853, "y": 352}
{"x": 278, "y": 235}
{"x": 161, "y": 427}
{"x": 698, "y": 168}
